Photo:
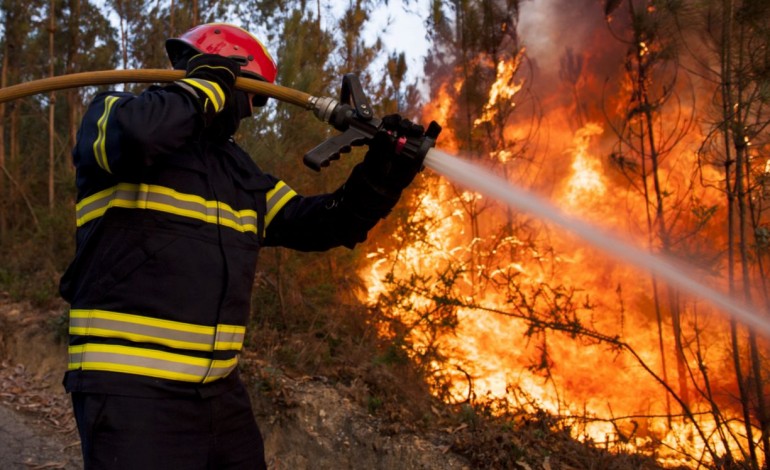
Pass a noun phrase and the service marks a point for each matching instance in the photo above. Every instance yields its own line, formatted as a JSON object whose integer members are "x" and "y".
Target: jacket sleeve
{"x": 317, "y": 223}
{"x": 121, "y": 131}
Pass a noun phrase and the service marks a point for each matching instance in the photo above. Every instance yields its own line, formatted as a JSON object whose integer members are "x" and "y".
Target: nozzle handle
{"x": 352, "y": 93}
{"x": 330, "y": 149}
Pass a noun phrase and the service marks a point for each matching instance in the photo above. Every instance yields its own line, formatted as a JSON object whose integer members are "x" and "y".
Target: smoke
{"x": 555, "y": 32}
{"x": 547, "y": 27}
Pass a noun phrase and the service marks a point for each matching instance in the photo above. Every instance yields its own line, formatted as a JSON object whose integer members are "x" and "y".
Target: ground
{"x": 36, "y": 428}
{"x": 29, "y": 444}
{"x": 307, "y": 422}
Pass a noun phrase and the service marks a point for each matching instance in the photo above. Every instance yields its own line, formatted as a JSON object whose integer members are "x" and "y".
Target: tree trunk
{"x": 73, "y": 99}
{"x": 734, "y": 195}
{"x": 171, "y": 18}
{"x": 3, "y": 196}
{"x": 51, "y": 108}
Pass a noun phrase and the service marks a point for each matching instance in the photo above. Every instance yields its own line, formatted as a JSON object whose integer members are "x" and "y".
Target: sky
{"x": 401, "y": 28}
{"x": 404, "y": 31}
{"x": 544, "y": 26}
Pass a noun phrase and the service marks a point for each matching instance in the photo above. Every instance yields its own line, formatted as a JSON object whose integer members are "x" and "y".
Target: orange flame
{"x": 504, "y": 87}
{"x": 614, "y": 397}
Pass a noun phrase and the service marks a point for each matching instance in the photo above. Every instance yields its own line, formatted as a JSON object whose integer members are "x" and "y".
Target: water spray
{"x": 353, "y": 116}
{"x": 477, "y": 179}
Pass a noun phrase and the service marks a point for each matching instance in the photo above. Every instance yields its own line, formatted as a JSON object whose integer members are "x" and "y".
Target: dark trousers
{"x": 219, "y": 432}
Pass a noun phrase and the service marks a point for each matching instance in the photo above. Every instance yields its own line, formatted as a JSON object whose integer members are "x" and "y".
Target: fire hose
{"x": 352, "y": 114}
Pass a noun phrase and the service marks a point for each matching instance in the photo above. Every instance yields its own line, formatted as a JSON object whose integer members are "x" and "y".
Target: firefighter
{"x": 171, "y": 214}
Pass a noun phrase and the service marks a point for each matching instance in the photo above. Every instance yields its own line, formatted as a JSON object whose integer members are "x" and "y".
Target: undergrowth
{"x": 324, "y": 330}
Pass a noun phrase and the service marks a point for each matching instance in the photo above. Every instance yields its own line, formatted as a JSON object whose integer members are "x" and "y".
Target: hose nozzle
{"x": 354, "y": 116}
{"x": 323, "y": 107}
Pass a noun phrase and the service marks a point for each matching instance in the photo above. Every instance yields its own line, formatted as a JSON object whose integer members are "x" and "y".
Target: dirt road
{"x": 27, "y": 444}
{"x": 37, "y": 430}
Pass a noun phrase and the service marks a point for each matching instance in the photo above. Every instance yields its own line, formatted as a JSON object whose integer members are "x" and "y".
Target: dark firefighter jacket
{"x": 169, "y": 225}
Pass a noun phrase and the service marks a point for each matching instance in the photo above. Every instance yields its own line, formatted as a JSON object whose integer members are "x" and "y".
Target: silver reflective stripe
{"x": 141, "y": 329}
{"x": 163, "y": 199}
{"x": 276, "y": 199}
{"x": 229, "y": 337}
{"x": 148, "y": 362}
{"x": 211, "y": 89}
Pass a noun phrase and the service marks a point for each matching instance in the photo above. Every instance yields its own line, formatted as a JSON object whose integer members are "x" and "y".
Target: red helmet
{"x": 228, "y": 41}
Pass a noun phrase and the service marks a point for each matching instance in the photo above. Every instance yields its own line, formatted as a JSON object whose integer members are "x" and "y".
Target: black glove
{"x": 211, "y": 78}
{"x": 386, "y": 169}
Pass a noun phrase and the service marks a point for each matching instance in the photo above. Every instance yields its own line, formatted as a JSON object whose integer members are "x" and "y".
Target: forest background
{"x": 648, "y": 117}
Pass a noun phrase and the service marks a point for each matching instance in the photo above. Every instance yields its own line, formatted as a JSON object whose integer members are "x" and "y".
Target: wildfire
{"x": 543, "y": 320}
{"x": 504, "y": 88}
{"x": 441, "y": 108}
{"x": 586, "y": 184}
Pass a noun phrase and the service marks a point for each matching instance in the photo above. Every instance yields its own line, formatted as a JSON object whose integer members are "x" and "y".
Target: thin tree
{"x": 735, "y": 61}
{"x": 646, "y": 139}
{"x": 51, "y": 107}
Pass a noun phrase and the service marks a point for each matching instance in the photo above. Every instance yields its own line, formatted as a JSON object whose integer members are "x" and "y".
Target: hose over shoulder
{"x": 107, "y": 77}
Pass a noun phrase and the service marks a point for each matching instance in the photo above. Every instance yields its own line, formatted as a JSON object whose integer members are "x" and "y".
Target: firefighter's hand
{"x": 211, "y": 78}
{"x": 386, "y": 168}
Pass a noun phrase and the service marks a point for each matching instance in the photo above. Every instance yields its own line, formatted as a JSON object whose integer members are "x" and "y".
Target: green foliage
{"x": 762, "y": 239}
{"x": 35, "y": 257}
{"x": 374, "y": 404}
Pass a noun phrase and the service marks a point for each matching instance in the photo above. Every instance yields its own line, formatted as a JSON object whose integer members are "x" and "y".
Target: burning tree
{"x": 735, "y": 62}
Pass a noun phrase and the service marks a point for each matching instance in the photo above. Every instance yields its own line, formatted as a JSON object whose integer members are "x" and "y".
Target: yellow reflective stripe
{"x": 276, "y": 199}
{"x": 229, "y": 337}
{"x": 148, "y": 362}
{"x": 211, "y": 89}
{"x": 141, "y": 329}
{"x": 100, "y": 144}
{"x": 163, "y": 199}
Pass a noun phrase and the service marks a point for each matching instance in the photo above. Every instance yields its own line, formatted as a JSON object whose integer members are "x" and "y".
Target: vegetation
{"x": 685, "y": 164}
